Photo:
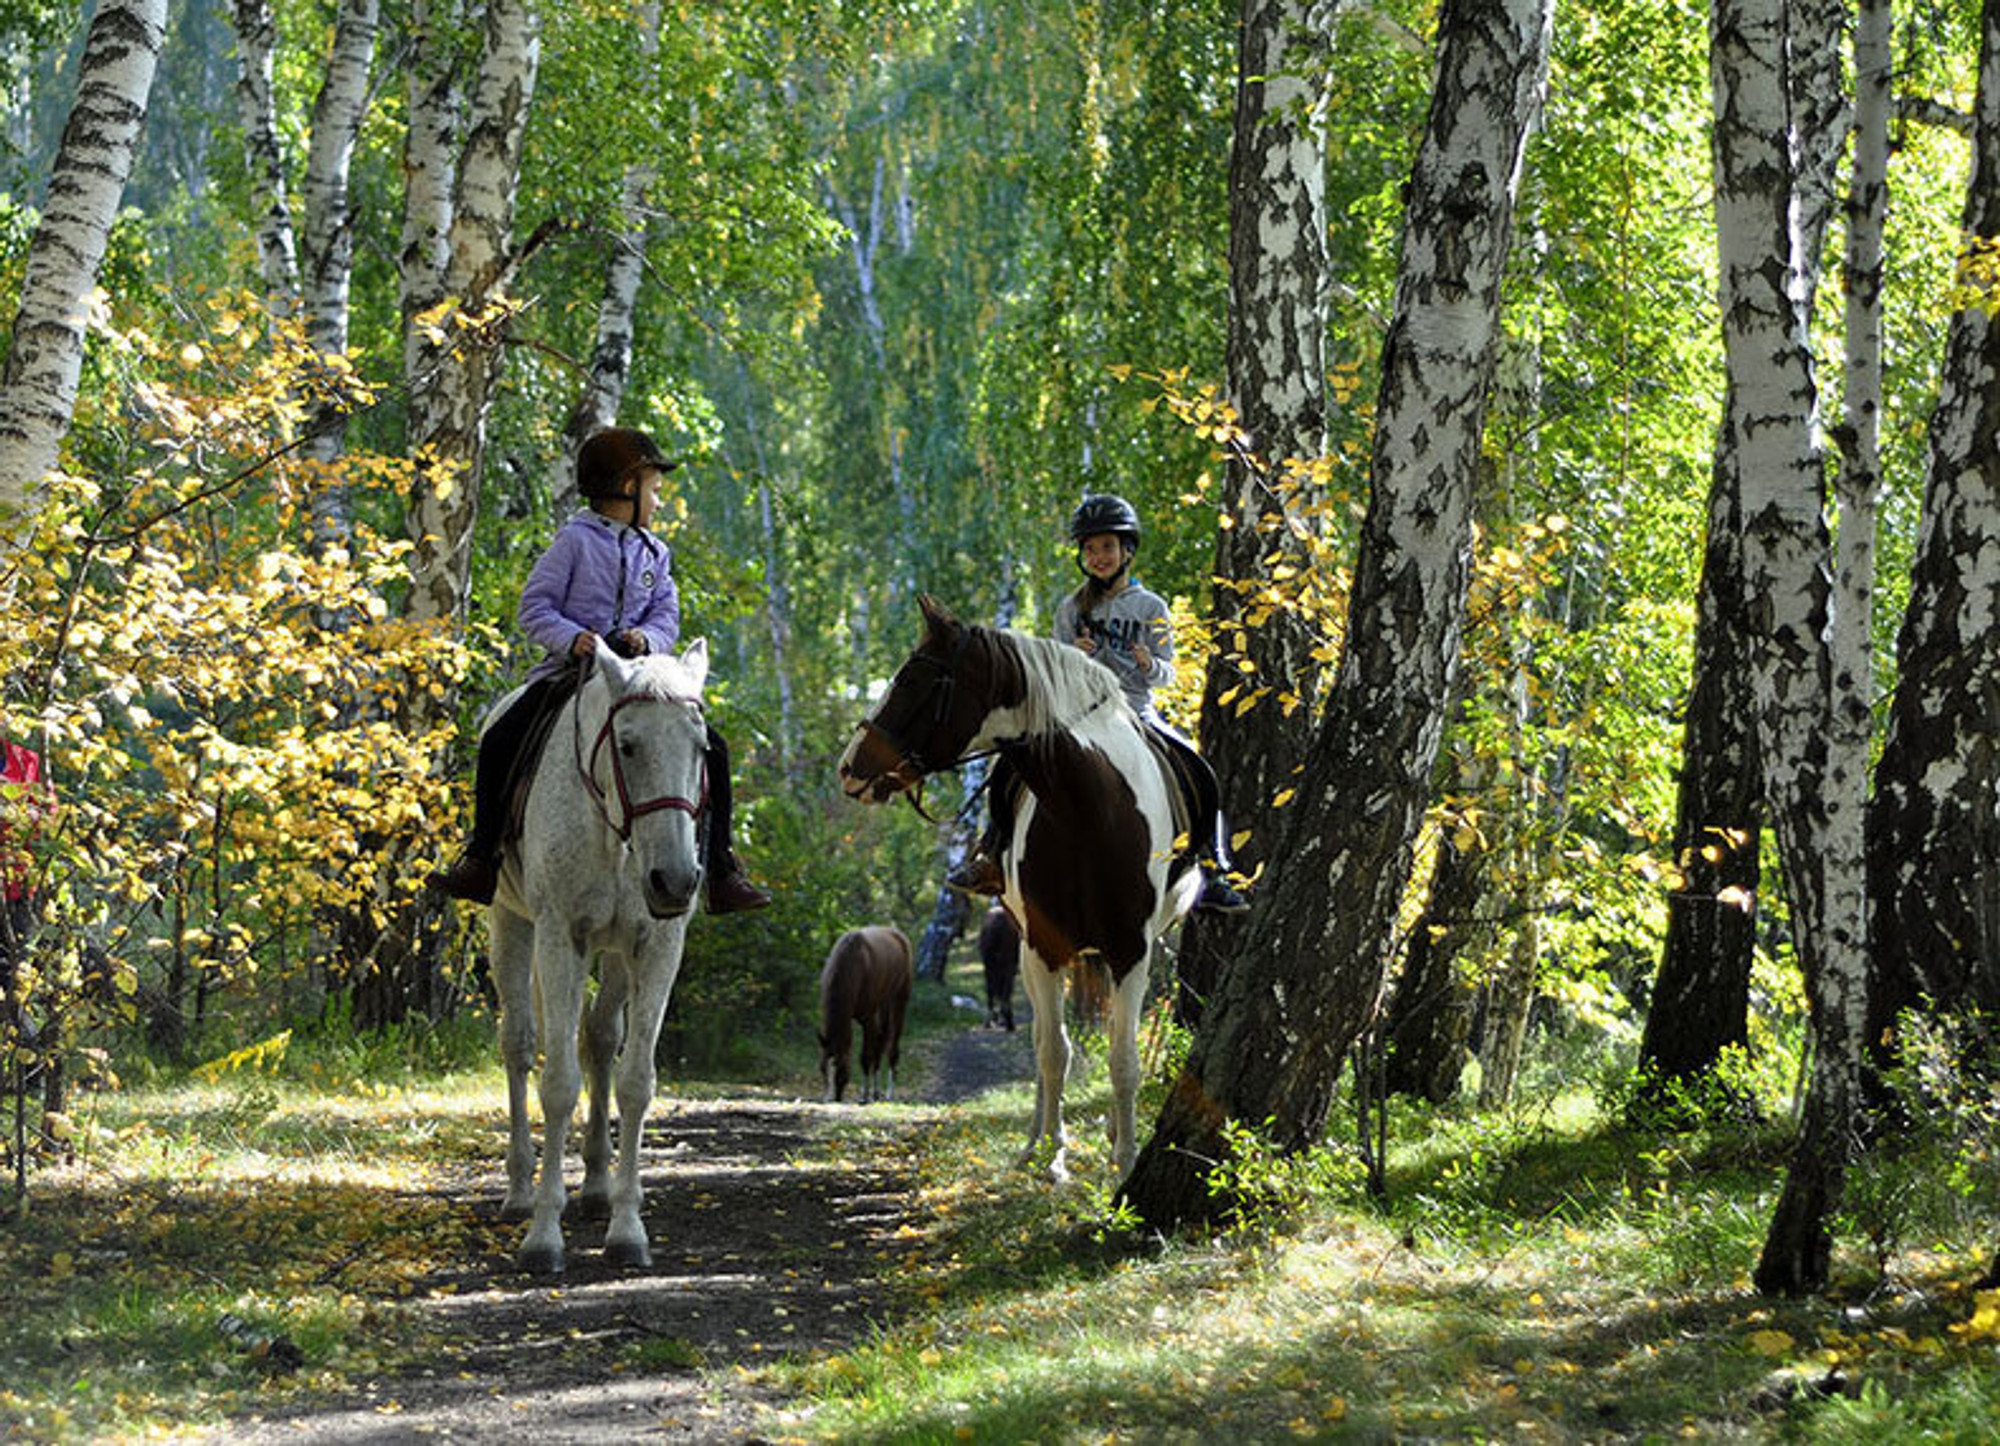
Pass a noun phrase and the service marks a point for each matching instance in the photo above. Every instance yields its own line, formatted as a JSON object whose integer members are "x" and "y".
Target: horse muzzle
{"x": 670, "y": 892}
{"x": 873, "y": 769}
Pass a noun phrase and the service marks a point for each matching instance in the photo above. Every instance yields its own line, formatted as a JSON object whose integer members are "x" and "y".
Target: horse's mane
{"x": 1063, "y": 683}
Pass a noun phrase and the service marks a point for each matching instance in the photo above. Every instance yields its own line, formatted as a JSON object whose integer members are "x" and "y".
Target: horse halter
{"x": 627, "y": 809}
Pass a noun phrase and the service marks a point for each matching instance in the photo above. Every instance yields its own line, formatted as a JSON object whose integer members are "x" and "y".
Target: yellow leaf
{"x": 1282, "y": 797}
{"x": 1769, "y": 1342}
{"x": 1737, "y": 897}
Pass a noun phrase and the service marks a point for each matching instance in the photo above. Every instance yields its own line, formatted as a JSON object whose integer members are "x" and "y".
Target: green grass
{"x": 1545, "y": 1275}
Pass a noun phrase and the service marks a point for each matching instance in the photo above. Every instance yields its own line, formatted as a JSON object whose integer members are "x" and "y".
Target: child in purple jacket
{"x": 605, "y": 575}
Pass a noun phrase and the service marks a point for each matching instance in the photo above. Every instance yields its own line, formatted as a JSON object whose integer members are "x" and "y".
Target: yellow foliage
{"x": 218, "y": 702}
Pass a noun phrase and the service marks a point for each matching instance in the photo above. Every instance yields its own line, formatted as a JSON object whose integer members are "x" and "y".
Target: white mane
{"x": 1063, "y": 683}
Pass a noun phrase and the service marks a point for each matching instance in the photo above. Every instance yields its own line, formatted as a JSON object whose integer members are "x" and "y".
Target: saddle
{"x": 528, "y": 756}
{"x": 1191, "y": 791}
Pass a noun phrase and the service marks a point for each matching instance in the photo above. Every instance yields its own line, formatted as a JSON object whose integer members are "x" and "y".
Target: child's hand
{"x": 1086, "y": 642}
{"x": 585, "y": 645}
{"x": 1143, "y": 656}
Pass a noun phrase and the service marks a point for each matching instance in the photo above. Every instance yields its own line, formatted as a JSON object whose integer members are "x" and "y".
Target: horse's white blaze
{"x": 571, "y": 892}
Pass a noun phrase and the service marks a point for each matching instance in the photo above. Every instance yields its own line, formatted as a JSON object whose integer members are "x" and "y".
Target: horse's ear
{"x": 694, "y": 657}
{"x": 938, "y": 616}
{"x": 610, "y": 663}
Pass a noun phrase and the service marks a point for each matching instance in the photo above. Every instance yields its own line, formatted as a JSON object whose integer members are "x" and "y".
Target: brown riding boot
{"x": 979, "y": 874}
{"x": 472, "y": 879}
{"x": 731, "y": 892}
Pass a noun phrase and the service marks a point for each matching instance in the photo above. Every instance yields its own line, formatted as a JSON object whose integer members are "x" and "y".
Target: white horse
{"x": 608, "y": 864}
{"x": 1092, "y": 872}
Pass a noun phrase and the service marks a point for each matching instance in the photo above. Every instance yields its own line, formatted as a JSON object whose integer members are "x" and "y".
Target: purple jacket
{"x": 602, "y": 577}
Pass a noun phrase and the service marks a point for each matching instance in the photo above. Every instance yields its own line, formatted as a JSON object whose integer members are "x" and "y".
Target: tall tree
{"x": 1277, "y": 383}
{"x": 611, "y": 349}
{"x": 1814, "y": 780}
{"x": 1309, "y": 976}
{"x": 1701, "y": 997}
{"x": 45, "y": 358}
{"x": 1933, "y": 833}
{"x": 458, "y": 350}
{"x": 311, "y": 273}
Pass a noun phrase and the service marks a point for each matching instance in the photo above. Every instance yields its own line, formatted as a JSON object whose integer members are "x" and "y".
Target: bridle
{"x": 910, "y": 760}
{"x": 627, "y": 809}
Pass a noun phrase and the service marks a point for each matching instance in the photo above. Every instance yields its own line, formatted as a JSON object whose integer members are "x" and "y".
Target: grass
{"x": 1549, "y": 1275}
{"x": 1545, "y": 1275}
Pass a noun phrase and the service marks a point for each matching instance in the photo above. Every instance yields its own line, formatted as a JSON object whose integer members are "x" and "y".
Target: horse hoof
{"x": 628, "y": 1252}
{"x": 541, "y": 1260}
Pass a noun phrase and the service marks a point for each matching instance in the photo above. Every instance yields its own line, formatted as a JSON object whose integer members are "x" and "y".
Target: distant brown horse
{"x": 1000, "y": 957}
{"x": 866, "y": 978}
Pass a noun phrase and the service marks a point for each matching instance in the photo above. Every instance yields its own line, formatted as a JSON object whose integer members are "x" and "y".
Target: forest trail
{"x": 769, "y": 1238}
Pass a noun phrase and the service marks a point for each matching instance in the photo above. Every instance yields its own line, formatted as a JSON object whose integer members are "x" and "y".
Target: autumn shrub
{"x": 1931, "y": 1175}
{"x": 220, "y": 700}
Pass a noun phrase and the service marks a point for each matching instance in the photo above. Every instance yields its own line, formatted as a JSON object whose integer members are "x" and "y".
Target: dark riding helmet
{"x": 1103, "y": 512}
{"x": 609, "y": 457}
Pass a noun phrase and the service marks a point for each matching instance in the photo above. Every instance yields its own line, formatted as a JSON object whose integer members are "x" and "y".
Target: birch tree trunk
{"x": 327, "y": 243}
{"x": 1309, "y": 975}
{"x": 1815, "y": 786}
{"x": 264, "y": 155}
{"x": 448, "y": 412}
{"x": 45, "y": 358}
{"x": 1934, "y": 830}
{"x": 611, "y": 352}
{"x": 1701, "y": 998}
{"x": 1277, "y": 383}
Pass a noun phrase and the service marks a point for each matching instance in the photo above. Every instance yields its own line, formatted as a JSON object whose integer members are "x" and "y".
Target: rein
{"x": 627, "y": 809}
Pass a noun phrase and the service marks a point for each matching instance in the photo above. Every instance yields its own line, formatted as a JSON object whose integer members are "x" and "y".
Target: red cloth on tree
{"x": 24, "y": 799}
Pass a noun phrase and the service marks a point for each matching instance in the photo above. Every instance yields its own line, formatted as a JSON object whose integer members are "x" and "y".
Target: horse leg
{"x": 603, "y": 1032}
{"x": 653, "y": 972}
{"x": 1126, "y": 1003}
{"x": 559, "y": 984}
{"x": 871, "y": 1055}
{"x": 1045, "y": 996}
{"x": 513, "y": 941}
{"x": 895, "y": 1042}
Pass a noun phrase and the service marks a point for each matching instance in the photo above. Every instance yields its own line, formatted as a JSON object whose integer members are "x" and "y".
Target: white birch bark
{"x": 327, "y": 241}
{"x": 1934, "y": 824}
{"x": 611, "y": 351}
{"x": 45, "y": 359}
{"x": 448, "y": 427}
{"x": 1858, "y": 479}
{"x": 1309, "y": 975}
{"x": 1814, "y": 785}
{"x": 264, "y": 156}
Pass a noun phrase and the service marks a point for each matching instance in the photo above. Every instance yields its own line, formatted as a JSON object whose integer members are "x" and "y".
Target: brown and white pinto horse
{"x": 1091, "y": 870}
{"x": 866, "y": 981}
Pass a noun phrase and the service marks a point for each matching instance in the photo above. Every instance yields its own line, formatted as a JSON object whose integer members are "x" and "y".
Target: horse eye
{"x": 628, "y": 749}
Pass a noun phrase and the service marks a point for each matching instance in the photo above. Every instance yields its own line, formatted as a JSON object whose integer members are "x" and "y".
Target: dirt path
{"x": 764, "y": 1244}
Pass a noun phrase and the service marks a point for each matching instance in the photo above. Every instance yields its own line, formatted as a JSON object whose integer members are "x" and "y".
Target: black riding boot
{"x": 729, "y": 888}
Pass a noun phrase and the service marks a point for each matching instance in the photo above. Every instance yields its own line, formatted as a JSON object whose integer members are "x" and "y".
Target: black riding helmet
{"x": 612, "y": 455}
{"x": 1103, "y": 512}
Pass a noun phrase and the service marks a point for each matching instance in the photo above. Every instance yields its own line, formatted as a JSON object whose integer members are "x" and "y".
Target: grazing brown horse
{"x": 1092, "y": 871}
{"x": 1000, "y": 957}
{"x": 866, "y": 979}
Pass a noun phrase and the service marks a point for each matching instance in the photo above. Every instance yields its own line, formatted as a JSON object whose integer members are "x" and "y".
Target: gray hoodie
{"x": 1133, "y": 616}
